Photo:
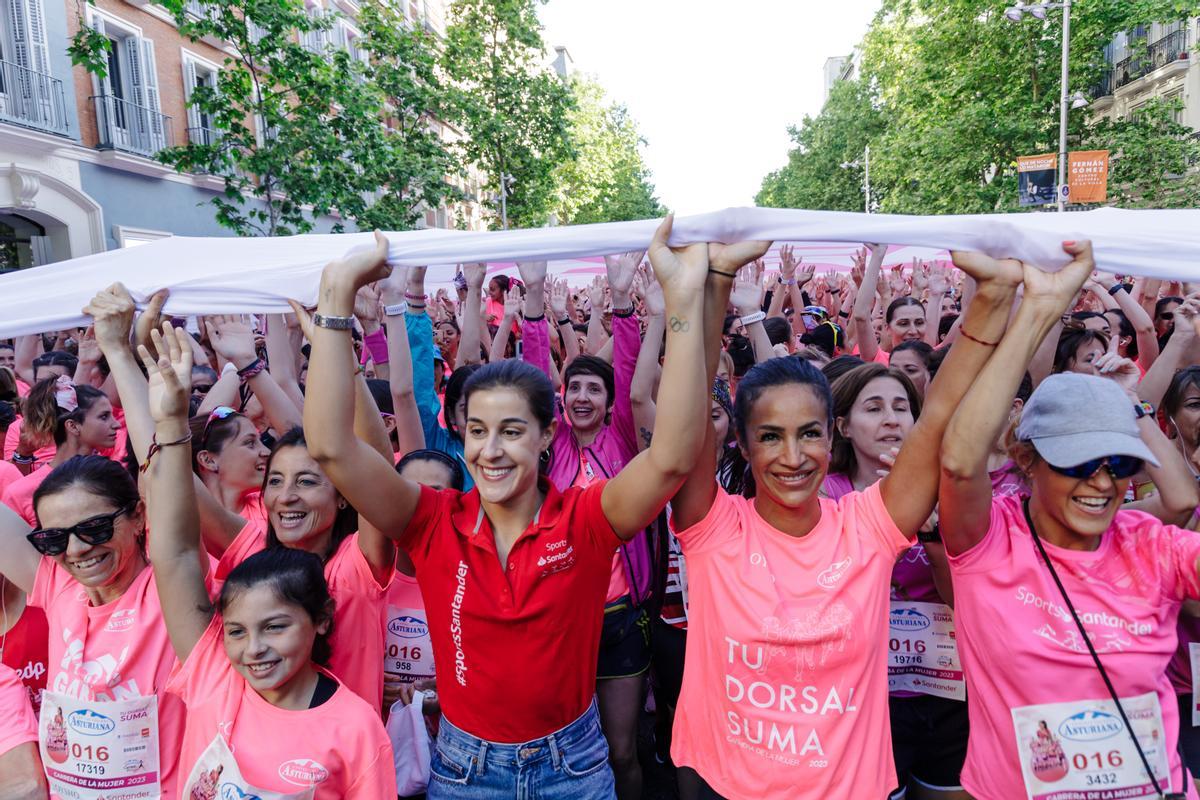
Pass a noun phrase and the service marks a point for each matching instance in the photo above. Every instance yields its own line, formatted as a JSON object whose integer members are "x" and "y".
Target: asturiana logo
{"x": 89, "y": 723}
{"x": 1090, "y": 726}
{"x": 303, "y": 772}
{"x": 908, "y": 619}
{"x": 408, "y": 627}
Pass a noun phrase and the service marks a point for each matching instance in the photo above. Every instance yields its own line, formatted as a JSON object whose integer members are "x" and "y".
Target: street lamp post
{"x": 866, "y": 165}
{"x": 1065, "y": 102}
{"x": 506, "y": 182}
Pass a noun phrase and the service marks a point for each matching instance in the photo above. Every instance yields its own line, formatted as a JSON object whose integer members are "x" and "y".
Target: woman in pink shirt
{"x": 1066, "y": 604}
{"x": 109, "y": 657}
{"x": 874, "y": 409}
{"x": 83, "y": 423}
{"x": 263, "y": 714}
{"x": 784, "y": 689}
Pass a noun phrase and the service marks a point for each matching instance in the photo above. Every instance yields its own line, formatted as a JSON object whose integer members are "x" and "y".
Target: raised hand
{"x": 655, "y": 304}
{"x": 532, "y": 272}
{"x": 151, "y": 318}
{"x": 679, "y": 270}
{"x": 729, "y": 258}
{"x": 559, "y": 294}
{"x": 303, "y": 319}
{"x": 939, "y": 281}
{"x": 112, "y": 312}
{"x": 804, "y": 272}
{"x": 1052, "y": 289}
{"x": 475, "y": 275}
{"x": 1122, "y": 370}
{"x": 169, "y": 373}
{"x": 360, "y": 267}
{"x": 747, "y": 294}
{"x": 621, "y": 269}
{"x": 984, "y": 268}
{"x": 513, "y": 302}
{"x": 920, "y": 277}
{"x": 232, "y": 339}
{"x": 89, "y": 349}
{"x": 366, "y": 306}
{"x": 787, "y": 262}
{"x": 596, "y": 292}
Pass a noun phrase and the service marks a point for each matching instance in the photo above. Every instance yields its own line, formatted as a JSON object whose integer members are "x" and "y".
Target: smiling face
{"x": 268, "y": 641}
{"x": 98, "y": 567}
{"x": 502, "y": 444}
{"x": 787, "y": 447}
{"x": 913, "y": 366}
{"x": 878, "y": 421}
{"x": 301, "y": 501}
{"x": 99, "y": 428}
{"x": 242, "y": 462}
{"x": 1185, "y": 423}
{"x": 1164, "y": 318}
{"x": 8, "y": 357}
{"x": 1074, "y": 511}
{"x": 908, "y": 324}
{"x": 586, "y": 401}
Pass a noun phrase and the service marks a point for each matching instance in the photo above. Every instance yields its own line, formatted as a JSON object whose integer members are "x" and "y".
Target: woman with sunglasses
{"x": 298, "y": 507}
{"x": 1086, "y": 595}
{"x": 110, "y": 656}
{"x": 80, "y": 420}
{"x": 264, "y": 716}
{"x": 874, "y": 410}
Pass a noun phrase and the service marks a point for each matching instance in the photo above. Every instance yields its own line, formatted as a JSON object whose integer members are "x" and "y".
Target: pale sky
{"x": 712, "y": 85}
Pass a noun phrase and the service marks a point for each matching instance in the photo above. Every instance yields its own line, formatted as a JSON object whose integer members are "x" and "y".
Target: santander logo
{"x": 303, "y": 772}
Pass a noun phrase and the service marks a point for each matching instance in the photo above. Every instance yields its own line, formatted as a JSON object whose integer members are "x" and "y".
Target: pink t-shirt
{"x": 1019, "y": 645}
{"x": 12, "y": 437}
{"x": 17, "y": 723}
{"x": 340, "y": 746}
{"x": 359, "y": 605}
{"x": 112, "y": 652}
{"x": 19, "y": 495}
{"x": 9, "y": 474}
{"x": 785, "y": 676}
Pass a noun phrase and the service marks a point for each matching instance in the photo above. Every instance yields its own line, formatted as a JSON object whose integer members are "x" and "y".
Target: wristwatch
{"x": 1143, "y": 409}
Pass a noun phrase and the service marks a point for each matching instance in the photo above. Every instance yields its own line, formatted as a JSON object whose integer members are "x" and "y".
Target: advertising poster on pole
{"x": 1087, "y": 172}
{"x": 1036, "y": 179}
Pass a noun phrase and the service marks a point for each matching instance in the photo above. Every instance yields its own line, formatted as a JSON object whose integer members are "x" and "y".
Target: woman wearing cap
{"x": 1050, "y": 589}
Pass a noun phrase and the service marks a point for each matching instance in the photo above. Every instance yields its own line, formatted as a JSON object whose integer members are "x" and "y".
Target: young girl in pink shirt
{"x": 784, "y": 689}
{"x": 264, "y": 716}
{"x": 1066, "y": 604}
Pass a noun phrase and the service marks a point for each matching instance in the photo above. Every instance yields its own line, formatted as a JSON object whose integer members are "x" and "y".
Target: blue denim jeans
{"x": 569, "y": 764}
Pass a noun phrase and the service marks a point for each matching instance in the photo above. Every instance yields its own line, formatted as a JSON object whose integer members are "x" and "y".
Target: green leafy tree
{"x": 290, "y": 126}
{"x": 413, "y": 168}
{"x": 606, "y": 180}
{"x": 960, "y": 92}
{"x": 510, "y": 107}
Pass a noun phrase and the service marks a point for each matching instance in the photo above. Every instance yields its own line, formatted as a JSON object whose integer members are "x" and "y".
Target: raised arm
{"x": 559, "y": 294}
{"x": 1142, "y": 324}
{"x": 641, "y": 389}
{"x": 643, "y": 487}
{"x": 410, "y": 434}
{"x": 864, "y": 331}
{"x": 512, "y": 313}
{"x": 282, "y": 359}
{"x": 18, "y": 560}
{"x": 1175, "y": 356}
{"x": 596, "y": 335}
{"x": 939, "y": 285}
{"x": 626, "y": 340}
{"x": 362, "y": 475}
{"x": 180, "y": 565}
{"x": 966, "y": 490}
{"x": 747, "y": 298}
{"x": 472, "y": 318}
{"x": 233, "y": 340}
{"x": 910, "y": 490}
{"x": 25, "y": 350}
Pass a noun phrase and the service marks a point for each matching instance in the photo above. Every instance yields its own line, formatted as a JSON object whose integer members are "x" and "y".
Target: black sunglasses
{"x": 201, "y": 388}
{"x": 94, "y": 530}
{"x": 1118, "y": 467}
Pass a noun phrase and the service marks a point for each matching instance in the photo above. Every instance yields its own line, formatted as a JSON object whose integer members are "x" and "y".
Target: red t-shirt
{"x": 521, "y": 637}
{"x": 25, "y": 650}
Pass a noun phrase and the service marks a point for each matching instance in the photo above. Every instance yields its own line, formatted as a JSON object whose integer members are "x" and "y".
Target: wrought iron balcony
{"x": 127, "y": 126}
{"x": 32, "y": 99}
{"x": 1169, "y": 49}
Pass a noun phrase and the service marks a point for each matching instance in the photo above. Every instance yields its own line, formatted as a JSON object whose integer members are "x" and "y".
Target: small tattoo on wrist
{"x": 679, "y": 325}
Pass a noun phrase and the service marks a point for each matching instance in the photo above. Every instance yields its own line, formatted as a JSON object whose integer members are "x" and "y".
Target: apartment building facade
{"x": 1151, "y": 61}
{"x": 77, "y": 173}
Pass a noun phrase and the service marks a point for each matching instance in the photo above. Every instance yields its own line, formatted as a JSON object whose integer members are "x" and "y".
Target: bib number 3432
{"x": 1081, "y": 749}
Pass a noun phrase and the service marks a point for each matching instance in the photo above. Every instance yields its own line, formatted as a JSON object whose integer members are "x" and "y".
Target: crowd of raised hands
{"x": 821, "y": 524}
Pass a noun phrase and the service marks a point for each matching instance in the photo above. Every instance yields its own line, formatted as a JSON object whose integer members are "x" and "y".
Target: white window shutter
{"x": 133, "y": 68}
{"x": 150, "y": 81}
{"x": 189, "y": 86}
{"x": 39, "y": 47}
{"x": 19, "y": 32}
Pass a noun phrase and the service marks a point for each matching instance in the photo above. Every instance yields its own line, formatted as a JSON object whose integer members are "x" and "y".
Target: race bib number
{"x": 1082, "y": 750}
{"x": 1194, "y": 657}
{"x": 100, "y": 750}
{"x": 408, "y": 652}
{"x": 922, "y": 651}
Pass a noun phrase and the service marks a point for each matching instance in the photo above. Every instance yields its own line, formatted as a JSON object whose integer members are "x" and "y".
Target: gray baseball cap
{"x": 1073, "y": 418}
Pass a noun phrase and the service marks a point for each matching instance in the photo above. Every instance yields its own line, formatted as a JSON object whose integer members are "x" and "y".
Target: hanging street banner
{"x": 1087, "y": 175}
{"x": 1036, "y": 179}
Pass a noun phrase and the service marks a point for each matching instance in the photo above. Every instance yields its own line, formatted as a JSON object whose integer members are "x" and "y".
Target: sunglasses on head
{"x": 1118, "y": 467}
{"x": 94, "y": 530}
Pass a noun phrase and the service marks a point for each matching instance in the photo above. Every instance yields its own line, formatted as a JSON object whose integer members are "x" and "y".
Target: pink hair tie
{"x": 65, "y": 396}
